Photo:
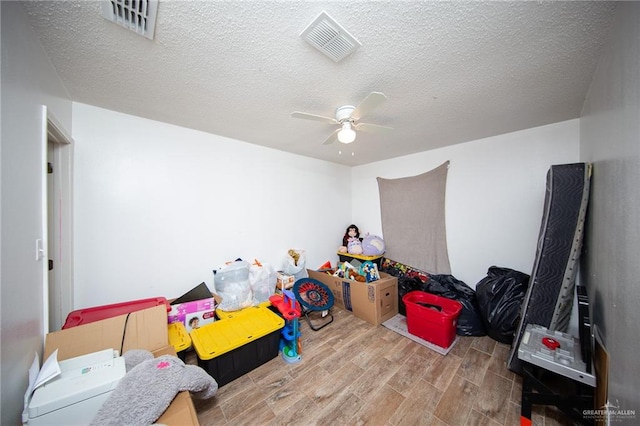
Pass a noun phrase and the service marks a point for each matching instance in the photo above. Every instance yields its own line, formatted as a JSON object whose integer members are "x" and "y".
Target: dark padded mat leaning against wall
{"x": 549, "y": 298}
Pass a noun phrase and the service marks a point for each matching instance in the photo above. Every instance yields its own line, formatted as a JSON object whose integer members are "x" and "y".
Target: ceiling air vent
{"x": 326, "y": 35}
{"x": 138, "y": 16}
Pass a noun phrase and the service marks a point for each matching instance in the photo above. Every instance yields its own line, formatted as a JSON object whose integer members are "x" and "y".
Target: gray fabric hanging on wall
{"x": 413, "y": 220}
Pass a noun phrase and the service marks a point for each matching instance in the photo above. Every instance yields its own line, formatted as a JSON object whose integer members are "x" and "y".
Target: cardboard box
{"x": 373, "y": 302}
{"x": 193, "y": 314}
{"x": 284, "y": 281}
{"x": 146, "y": 329}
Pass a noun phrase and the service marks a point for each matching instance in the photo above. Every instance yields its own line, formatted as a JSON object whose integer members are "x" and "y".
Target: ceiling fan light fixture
{"x": 347, "y": 134}
{"x": 348, "y": 118}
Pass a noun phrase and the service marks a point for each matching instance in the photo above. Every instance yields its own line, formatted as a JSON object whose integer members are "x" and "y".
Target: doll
{"x": 352, "y": 233}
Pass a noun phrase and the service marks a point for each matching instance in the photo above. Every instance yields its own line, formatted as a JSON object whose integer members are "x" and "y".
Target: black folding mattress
{"x": 549, "y": 298}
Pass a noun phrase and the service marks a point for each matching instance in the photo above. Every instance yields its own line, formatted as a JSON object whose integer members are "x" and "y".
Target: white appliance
{"x": 75, "y": 396}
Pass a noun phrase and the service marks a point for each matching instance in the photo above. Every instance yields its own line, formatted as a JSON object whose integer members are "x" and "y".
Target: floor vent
{"x": 329, "y": 37}
{"x": 138, "y": 16}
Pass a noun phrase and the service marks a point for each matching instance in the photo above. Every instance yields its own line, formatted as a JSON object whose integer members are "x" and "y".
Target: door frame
{"x": 57, "y": 295}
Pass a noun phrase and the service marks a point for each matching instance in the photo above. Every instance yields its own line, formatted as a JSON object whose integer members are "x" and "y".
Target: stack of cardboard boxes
{"x": 374, "y": 302}
{"x": 145, "y": 329}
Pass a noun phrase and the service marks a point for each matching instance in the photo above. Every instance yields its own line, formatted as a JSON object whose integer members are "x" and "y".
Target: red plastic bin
{"x": 432, "y": 318}
{"x": 97, "y": 313}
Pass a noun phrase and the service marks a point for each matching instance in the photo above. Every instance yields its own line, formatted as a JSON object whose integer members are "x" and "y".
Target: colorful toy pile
{"x": 290, "y": 345}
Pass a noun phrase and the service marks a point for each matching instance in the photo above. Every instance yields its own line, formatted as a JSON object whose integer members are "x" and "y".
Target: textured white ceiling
{"x": 452, "y": 71}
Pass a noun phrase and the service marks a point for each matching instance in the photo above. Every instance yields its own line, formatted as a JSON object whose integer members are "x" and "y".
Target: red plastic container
{"x": 432, "y": 318}
{"x": 97, "y": 313}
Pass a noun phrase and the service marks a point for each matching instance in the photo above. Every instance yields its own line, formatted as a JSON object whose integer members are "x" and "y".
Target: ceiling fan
{"x": 348, "y": 118}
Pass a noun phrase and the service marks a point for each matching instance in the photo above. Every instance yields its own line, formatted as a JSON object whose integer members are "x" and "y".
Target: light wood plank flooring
{"x": 353, "y": 373}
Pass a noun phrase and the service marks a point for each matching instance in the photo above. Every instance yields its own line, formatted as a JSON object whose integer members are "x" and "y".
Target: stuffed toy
{"x": 148, "y": 388}
{"x": 294, "y": 255}
{"x": 369, "y": 270}
{"x": 352, "y": 274}
{"x": 351, "y": 236}
{"x": 372, "y": 245}
{"x": 354, "y": 246}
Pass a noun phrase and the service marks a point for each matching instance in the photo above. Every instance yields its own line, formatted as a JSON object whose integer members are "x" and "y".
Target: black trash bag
{"x": 405, "y": 285}
{"x": 410, "y": 279}
{"x": 470, "y": 319}
{"x": 500, "y": 297}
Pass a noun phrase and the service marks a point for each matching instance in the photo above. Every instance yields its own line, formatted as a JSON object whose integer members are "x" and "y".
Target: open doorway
{"x": 58, "y": 277}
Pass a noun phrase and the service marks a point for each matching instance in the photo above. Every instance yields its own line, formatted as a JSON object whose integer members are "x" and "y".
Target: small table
{"x": 554, "y": 374}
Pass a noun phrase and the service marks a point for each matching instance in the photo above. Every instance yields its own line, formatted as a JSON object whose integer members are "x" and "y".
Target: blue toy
{"x": 290, "y": 346}
{"x": 370, "y": 271}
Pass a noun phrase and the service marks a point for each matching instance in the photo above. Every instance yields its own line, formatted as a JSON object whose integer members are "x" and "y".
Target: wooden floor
{"x": 353, "y": 373}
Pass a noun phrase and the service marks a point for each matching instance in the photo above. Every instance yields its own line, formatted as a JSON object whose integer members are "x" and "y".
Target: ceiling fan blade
{"x": 332, "y": 138}
{"x": 307, "y": 116}
{"x": 368, "y": 104}
{"x": 373, "y": 128}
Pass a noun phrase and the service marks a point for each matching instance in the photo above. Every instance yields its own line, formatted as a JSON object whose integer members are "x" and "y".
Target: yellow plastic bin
{"x": 220, "y": 314}
{"x": 179, "y": 339}
{"x": 235, "y": 345}
{"x": 346, "y": 257}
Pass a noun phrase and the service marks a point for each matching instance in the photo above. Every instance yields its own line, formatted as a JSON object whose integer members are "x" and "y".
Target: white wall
{"x": 158, "y": 207}
{"x": 494, "y": 199}
{"x": 28, "y": 82}
{"x": 610, "y": 135}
